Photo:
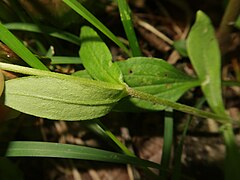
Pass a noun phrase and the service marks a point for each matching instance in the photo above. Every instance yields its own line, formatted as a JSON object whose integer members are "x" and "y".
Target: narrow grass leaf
{"x": 65, "y": 60}
{"x": 57, "y": 150}
{"x": 6, "y": 13}
{"x": 177, "y": 175}
{"x": 125, "y": 14}
{"x": 167, "y": 142}
{"x": 97, "y": 58}
{"x": 44, "y": 29}
{"x": 80, "y": 9}
{"x": 153, "y": 76}
{"x": 204, "y": 53}
{"x": 13, "y": 43}
{"x": 237, "y": 22}
{"x": 62, "y": 99}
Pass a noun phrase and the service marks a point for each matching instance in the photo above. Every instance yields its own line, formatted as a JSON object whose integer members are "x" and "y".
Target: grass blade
{"x": 167, "y": 142}
{"x": 156, "y": 77}
{"x": 46, "y": 30}
{"x": 76, "y": 6}
{"x": 15, "y": 45}
{"x": 57, "y": 150}
{"x": 178, "y": 154}
{"x": 65, "y": 60}
{"x": 125, "y": 14}
{"x": 232, "y": 159}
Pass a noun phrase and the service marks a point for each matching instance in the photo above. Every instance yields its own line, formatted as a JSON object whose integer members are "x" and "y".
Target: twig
{"x": 153, "y": 30}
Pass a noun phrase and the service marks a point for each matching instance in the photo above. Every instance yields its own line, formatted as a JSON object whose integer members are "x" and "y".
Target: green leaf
{"x": 44, "y": 29}
{"x": 97, "y": 58}
{"x": 57, "y": 150}
{"x": 125, "y": 14}
{"x": 1, "y": 83}
{"x": 156, "y": 77}
{"x": 82, "y": 74}
{"x": 62, "y": 98}
{"x": 204, "y": 53}
{"x": 232, "y": 159}
{"x": 13, "y": 43}
{"x": 9, "y": 170}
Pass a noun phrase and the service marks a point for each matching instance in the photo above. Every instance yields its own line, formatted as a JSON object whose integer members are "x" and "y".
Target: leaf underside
{"x": 60, "y": 99}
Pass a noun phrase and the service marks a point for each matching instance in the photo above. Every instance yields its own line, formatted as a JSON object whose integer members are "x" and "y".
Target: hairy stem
{"x": 178, "y": 106}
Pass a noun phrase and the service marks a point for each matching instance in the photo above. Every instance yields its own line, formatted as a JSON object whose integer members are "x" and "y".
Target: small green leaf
{"x": 57, "y": 150}
{"x": 204, "y": 53}
{"x": 80, "y": 9}
{"x": 97, "y": 58}
{"x": 156, "y": 77}
{"x": 1, "y": 82}
{"x": 62, "y": 99}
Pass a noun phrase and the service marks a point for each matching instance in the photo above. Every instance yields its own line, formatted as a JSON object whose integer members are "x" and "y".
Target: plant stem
{"x": 230, "y": 15}
{"x": 177, "y": 106}
{"x": 231, "y": 83}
